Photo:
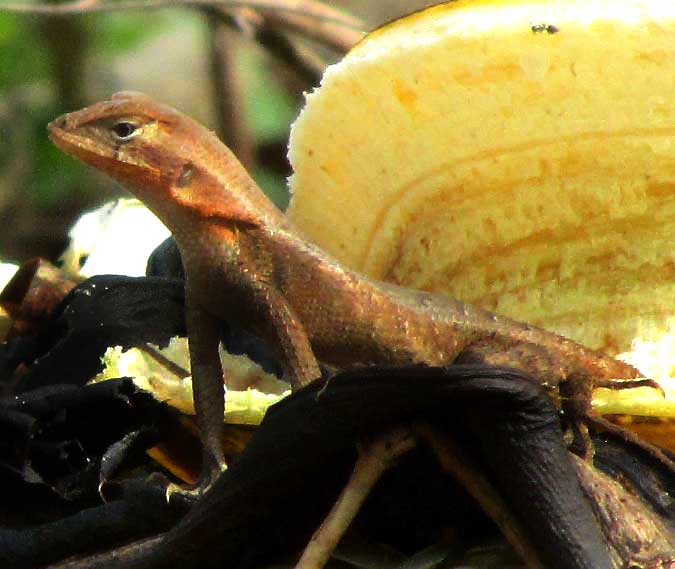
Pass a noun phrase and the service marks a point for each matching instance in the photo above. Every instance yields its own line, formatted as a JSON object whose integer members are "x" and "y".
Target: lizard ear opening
{"x": 203, "y": 194}
{"x": 185, "y": 176}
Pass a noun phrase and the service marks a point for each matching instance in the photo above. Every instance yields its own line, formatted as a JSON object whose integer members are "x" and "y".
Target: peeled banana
{"x": 519, "y": 155}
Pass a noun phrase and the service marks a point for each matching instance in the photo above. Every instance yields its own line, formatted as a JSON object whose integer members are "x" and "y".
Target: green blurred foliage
{"x": 273, "y": 185}
{"x": 124, "y": 31}
{"x": 27, "y": 66}
{"x": 54, "y": 178}
{"x": 269, "y": 107}
{"x": 270, "y": 110}
{"x": 21, "y": 57}
{"x": 27, "y": 84}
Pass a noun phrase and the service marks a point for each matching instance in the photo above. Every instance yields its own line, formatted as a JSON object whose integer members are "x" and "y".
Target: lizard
{"x": 244, "y": 259}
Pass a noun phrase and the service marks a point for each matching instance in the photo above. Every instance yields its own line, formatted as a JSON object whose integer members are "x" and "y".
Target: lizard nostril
{"x": 59, "y": 122}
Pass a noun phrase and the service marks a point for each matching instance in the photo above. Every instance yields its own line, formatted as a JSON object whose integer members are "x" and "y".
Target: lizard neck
{"x": 213, "y": 185}
{"x": 242, "y": 189}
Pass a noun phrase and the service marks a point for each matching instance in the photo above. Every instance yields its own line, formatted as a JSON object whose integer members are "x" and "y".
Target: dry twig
{"x": 300, "y": 8}
{"x": 455, "y": 462}
{"x": 374, "y": 459}
{"x": 335, "y": 36}
{"x": 226, "y": 83}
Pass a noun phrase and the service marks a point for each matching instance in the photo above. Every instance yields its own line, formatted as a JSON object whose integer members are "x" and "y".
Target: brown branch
{"x": 68, "y": 42}
{"x": 162, "y": 360}
{"x": 307, "y": 65}
{"x": 273, "y": 38}
{"x": 226, "y": 84}
{"x": 302, "y": 8}
{"x": 338, "y": 37}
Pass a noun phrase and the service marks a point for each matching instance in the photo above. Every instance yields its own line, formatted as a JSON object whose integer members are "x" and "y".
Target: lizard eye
{"x": 125, "y": 130}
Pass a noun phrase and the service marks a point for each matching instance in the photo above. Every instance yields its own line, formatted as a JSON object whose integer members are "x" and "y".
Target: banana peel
{"x": 518, "y": 155}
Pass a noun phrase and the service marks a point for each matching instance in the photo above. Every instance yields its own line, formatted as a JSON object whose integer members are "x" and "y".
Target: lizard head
{"x": 169, "y": 161}
{"x": 121, "y": 137}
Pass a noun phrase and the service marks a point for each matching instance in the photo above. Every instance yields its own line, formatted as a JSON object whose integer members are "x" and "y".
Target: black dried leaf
{"x": 165, "y": 261}
{"x": 57, "y": 434}
{"x": 101, "y": 312}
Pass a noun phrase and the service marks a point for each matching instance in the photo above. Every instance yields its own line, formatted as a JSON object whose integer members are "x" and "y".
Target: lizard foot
{"x": 195, "y": 491}
{"x": 603, "y": 424}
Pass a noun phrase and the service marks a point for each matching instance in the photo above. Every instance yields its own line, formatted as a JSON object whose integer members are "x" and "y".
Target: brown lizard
{"x": 244, "y": 259}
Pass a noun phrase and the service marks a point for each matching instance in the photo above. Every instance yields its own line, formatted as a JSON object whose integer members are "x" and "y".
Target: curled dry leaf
{"x": 33, "y": 294}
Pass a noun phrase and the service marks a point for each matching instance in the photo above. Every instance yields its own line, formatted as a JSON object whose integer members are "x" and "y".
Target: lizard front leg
{"x": 282, "y": 327}
{"x": 207, "y": 386}
{"x": 287, "y": 332}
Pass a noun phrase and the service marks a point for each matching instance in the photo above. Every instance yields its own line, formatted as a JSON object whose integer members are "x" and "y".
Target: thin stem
{"x": 455, "y": 462}
{"x": 162, "y": 360}
{"x": 227, "y": 88}
{"x": 373, "y": 461}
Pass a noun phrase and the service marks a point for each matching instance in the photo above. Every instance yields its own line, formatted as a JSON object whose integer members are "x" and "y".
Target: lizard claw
{"x": 630, "y": 384}
{"x": 196, "y": 491}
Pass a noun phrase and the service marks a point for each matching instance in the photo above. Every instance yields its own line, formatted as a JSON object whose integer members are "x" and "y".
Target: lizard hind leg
{"x": 571, "y": 392}
{"x": 576, "y": 396}
{"x": 526, "y": 357}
